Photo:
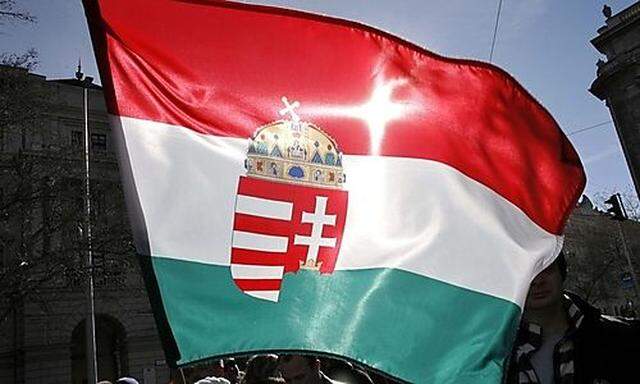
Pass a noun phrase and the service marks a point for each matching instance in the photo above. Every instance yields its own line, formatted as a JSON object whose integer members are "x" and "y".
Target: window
{"x": 98, "y": 141}
{"x": 76, "y": 139}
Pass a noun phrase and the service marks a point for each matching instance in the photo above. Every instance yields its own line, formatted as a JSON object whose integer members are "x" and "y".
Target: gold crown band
{"x": 295, "y": 152}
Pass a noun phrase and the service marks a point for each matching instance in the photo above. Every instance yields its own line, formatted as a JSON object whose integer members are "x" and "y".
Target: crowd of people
{"x": 561, "y": 340}
{"x": 273, "y": 369}
{"x": 283, "y": 368}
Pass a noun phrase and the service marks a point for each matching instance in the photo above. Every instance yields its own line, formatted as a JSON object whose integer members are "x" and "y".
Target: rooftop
{"x": 616, "y": 23}
{"x": 623, "y": 17}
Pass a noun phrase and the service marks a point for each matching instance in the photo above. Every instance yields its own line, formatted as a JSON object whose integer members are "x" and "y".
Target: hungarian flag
{"x": 302, "y": 183}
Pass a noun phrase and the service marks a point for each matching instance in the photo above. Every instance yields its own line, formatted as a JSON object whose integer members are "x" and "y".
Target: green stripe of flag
{"x": 380, "y": 316}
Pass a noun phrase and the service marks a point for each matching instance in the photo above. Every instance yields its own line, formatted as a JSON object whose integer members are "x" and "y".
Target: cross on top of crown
{"x": 289, "y": 109}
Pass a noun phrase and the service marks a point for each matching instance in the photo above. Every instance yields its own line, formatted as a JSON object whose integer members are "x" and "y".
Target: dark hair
{"x": 311, "y": 360}
{"x": 271, "y": 380}
{"x": 261, "y": 367}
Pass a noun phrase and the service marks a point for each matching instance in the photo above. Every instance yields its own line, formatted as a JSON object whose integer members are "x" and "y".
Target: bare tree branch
{"x": 8, "y": 11}
{"x": 629, "y": 200}
{"x": 28, "y": 60}
{"x": 41, "y": 211}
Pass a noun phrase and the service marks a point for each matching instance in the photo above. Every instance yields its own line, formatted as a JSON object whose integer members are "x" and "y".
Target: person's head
{"x": 299, "y": 369}
{"x": 213, "y": 380}
{"x": 212, "y": 368}
{"x": 261, "y": 367}
{"x": 231, "y": 371}
{"x": 217, "y": 368}
{"x": 271, "y": 380}
{"x": 331, "y": 366}
{"x": 546, "y": 288}
{"x": 127, "y": 380}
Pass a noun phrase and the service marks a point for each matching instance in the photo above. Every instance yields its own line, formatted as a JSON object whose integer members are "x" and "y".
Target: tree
{"x": 42, "y": 247}
{"x": 592, "y": 278}
{"x": 596, "y": 246}
{"x": 9, "y": 12}
{"x": 629, "y": 200}
{"x": 41, "y": 216}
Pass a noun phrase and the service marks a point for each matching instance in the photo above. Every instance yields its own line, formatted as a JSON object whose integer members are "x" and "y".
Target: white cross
{"x": 289, "y": 109}
{"x": 318, "y": 220}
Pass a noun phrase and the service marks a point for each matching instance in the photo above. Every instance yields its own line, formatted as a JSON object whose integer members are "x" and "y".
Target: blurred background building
{"x": 618, "y": 79}
{"x": 595, "y": 252}
{"x": 42, "y": 248}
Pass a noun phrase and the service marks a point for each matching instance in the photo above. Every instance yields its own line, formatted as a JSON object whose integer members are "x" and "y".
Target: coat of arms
{"x": 290, "y": 208}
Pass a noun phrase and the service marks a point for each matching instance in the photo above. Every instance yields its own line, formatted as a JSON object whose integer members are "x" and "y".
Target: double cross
{"x": 289, "y": 108}
{"x": 318, "y": 220}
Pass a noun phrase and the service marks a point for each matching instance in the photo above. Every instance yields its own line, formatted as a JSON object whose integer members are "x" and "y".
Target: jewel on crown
{"x": 294, "y": 151}
{"x": 297, "y": 151}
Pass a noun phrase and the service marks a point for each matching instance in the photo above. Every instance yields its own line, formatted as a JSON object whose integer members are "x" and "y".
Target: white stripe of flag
{"x": 259, "y": 242}
{"x": 242, "y": 271}
{"x": 270, "y": 209}
{"x": 265, "y": 295}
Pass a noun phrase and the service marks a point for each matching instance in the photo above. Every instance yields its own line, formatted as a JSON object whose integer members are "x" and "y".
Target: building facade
{"x": 42, "y": 253}
{"x": 596, "y": 247}
{"x": 618, "y": 79}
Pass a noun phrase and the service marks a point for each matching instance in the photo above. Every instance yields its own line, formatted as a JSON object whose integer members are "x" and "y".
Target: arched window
{"x": 111, "y": 350}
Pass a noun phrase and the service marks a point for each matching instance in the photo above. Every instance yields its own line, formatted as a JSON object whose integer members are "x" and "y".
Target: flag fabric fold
{"x": 297, "y": 182}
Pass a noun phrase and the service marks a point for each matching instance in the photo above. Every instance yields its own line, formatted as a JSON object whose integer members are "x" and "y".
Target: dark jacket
{"x": 606, "y": 348}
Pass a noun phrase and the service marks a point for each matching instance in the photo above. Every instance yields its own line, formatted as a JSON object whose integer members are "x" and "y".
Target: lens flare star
{"x": 378, "y": 111}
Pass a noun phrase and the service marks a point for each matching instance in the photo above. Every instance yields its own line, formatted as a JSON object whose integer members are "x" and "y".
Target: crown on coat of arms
{"x": 295, "y": 151}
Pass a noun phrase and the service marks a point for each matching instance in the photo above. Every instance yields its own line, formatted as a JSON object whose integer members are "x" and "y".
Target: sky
{"x": 544, "y": 44}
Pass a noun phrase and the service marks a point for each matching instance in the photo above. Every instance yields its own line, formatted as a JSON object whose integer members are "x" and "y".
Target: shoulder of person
{"x": 617, "y": 325}
{"x": 614, "y": 334}
{"x": 607, "y": 348}
{"x": 620, "y": 322}
{"x": 327, "y": 380}
{"x": 605, "y": 328}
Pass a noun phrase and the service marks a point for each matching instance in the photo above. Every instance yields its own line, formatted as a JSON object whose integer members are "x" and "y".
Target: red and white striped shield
{"x": 281, "y": 227}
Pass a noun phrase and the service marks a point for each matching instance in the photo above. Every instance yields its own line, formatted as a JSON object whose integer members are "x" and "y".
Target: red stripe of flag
{"x": 247, "y": 257}
{"x": 221, "y": 68}
{"x": 258, "y": 284}
{"x": 262, "y": 225}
